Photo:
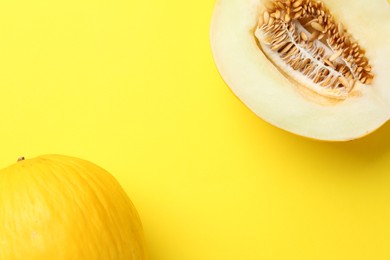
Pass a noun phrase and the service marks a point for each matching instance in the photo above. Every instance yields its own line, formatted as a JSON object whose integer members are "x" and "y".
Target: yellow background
{"x": 131, "y": 85}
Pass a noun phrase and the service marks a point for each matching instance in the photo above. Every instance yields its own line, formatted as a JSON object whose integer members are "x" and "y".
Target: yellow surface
{"x": 131, "y": 85}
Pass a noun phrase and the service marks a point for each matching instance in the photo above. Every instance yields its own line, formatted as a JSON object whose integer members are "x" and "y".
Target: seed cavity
{"x": 304, "y": 40}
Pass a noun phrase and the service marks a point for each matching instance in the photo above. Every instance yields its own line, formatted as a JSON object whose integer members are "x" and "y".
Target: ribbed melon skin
{"x": 60, "y": 207}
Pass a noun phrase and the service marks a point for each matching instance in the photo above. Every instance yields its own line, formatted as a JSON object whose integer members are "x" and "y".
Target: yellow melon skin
{"x": 59, "y": 207}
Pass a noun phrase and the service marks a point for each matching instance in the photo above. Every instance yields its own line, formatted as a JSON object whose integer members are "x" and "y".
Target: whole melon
{"x": 60, "y": 207}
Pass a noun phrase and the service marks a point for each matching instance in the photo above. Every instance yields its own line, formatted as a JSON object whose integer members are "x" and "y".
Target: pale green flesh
{"x": 275, "y": 98}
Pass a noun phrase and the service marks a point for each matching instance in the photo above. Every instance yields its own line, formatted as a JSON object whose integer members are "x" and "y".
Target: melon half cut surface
{"x": 319, "y": 69}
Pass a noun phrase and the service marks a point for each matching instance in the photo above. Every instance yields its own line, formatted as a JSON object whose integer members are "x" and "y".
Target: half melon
{"x": 319, "y": 69}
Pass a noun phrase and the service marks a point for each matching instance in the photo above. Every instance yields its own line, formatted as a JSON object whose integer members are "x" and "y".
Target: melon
{"x": 319, "y": 69}
{"x": 60, "y": 207}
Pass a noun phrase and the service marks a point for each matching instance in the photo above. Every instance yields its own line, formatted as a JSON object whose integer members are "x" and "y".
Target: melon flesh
{"x": 280, "y": 101}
